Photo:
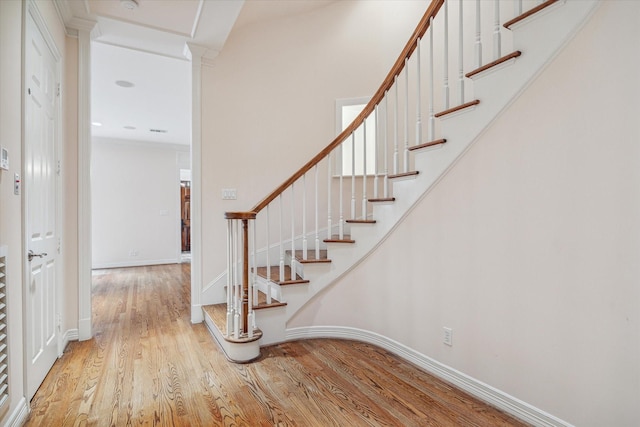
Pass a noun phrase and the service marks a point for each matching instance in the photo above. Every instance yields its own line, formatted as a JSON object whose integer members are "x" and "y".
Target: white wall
{"x": 269, "y": 99}
{"x": 135, "y": 203}
{"x": 529, "y": 247}
{"x": 11, "y": 26}
{"x": 10, "y": 205}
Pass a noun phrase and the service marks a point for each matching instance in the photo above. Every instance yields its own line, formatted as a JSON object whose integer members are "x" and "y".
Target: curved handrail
{"x": 420, "y": 30}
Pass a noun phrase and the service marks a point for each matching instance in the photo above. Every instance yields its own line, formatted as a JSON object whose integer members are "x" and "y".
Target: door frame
{"x": 30, "y": 9}
{"x": 194, "y": 55}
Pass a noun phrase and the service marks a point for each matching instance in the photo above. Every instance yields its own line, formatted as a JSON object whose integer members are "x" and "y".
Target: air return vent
{"x": 4, "y": 351}
{"x": 158, "y": 130}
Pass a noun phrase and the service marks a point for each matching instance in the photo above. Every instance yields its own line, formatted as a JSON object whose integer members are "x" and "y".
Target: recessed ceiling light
{"x": 124, "y": 83}
{"x": 97, "y": 124}
{"x": 129, "y": 4}
{"x": 130, "y": 127}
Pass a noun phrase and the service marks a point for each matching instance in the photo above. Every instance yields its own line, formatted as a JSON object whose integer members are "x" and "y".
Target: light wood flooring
{"x": 148, "y": 365}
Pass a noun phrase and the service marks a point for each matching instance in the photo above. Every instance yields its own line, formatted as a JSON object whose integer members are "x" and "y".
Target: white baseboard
{"x": 196, "y": 314}
{"x": 136, "y": 263}
{"x": 69, "y": 335}
{"x": 84, "y": 329}
{"x": 19, "y": 415}
{"x": 476, "y": 388}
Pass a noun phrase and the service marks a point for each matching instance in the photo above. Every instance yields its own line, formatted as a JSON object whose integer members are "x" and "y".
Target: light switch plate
{"x": 229, "y": 194}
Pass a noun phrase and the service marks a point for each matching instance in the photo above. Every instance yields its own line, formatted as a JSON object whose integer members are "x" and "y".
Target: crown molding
{"x": 74, "y": 24}
{"x": 192, "y": 50}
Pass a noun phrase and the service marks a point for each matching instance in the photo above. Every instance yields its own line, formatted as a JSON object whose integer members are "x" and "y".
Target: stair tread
{"x": 382, "y": 199}
{"x": 458, "y": 108}
{"x": 499, "y": 61}
{"x": 275, "y": 275}
{"x": 403, "y": 174}
{"x": 218, "y": 315}
{"x": 311, "y": 256}
{"x": 361, "y": 221}
{"x": 427, "y": 144}
{"x": 346, "y": 238}
{"x": 528, "y": 13}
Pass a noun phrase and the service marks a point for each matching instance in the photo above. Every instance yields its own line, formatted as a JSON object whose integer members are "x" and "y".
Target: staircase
{"x": 463, "y": 65}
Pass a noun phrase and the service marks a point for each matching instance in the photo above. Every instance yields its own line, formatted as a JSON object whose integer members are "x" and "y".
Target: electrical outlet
{"x": 448, "y": 336}
{"x": 133, "y": 253}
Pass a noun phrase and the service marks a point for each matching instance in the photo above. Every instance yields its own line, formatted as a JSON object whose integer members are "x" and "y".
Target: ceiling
{"x": 143, "y": 42}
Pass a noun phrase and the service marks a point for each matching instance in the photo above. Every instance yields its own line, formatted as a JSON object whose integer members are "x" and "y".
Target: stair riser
{"x": 235, "y": 352}
{"x": 272, "y": 325}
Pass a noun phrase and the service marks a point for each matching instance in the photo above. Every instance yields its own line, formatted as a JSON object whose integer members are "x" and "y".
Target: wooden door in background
{"x": 185, "y": 214}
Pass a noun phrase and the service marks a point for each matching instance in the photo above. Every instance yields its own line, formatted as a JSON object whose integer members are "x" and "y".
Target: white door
{"x": 40, "y": 195}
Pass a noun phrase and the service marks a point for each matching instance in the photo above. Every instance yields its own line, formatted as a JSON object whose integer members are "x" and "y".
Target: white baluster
{"x": 268, "y": 258}
{"x": 460, "y": 54}
{"x": 304, "y": 217}
{"x": 395, "y": 126}
{"x": 229, "y": 277}
{"x": 237, "y": 286}
{"x": 317, "y": 215}
{"x": 281, "y": 265}
{"x": 406, "y": 115}
{"x": 419, "y": 97}
{"x": 235, "y": 267}
{"x": 446, "y": 58}
{"x": 497, "y": 45}
{"x": 518, "y": 8}
{"x": 252, "y": 282}
{"x": 478, "y": 44}
{"x": 341, "y": 191}
{"x": 241, "y": 273}
{"x": 254, "y": 264}
{"x": 293, "y": 233}
{"x": 353, "y": 175}
{"x": 364, "y": 169}
{"x": 375, "y": 153}
{"x": 386, "y": 148}
{"x": 329, "y": 219}
{"x": 432, "y": 119}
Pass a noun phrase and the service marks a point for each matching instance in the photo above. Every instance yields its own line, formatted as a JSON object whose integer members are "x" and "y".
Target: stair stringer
{"x": 540, "y": 38}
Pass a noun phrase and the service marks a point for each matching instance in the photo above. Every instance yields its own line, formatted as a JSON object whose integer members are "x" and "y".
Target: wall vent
{"x": 4, "y": 344}
{"x": 158, "y": 130}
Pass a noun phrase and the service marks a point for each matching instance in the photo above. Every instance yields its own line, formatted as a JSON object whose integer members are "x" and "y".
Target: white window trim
{"x": 338, "y": 167}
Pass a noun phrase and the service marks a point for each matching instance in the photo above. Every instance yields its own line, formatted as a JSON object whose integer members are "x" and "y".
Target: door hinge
{"x": 59, "y": 168}
{"x": 59, "y": 322}
{"x": 59, "y": 245}
{"x": 58, "y": 90}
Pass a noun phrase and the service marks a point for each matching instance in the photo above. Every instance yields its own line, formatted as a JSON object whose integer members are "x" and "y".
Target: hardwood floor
{"x": 148, "y": 365}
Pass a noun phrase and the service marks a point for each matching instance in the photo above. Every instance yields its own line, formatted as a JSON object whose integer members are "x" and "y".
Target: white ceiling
{"x": 160, "y": 99}
{"x": 146, "y": 45}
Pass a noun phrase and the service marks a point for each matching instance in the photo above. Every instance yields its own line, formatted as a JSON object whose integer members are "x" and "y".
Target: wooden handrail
{"x": 420, "y": 30}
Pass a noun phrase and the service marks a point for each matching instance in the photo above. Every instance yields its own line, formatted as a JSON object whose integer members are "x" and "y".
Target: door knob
{"x": 31, "y": 255}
